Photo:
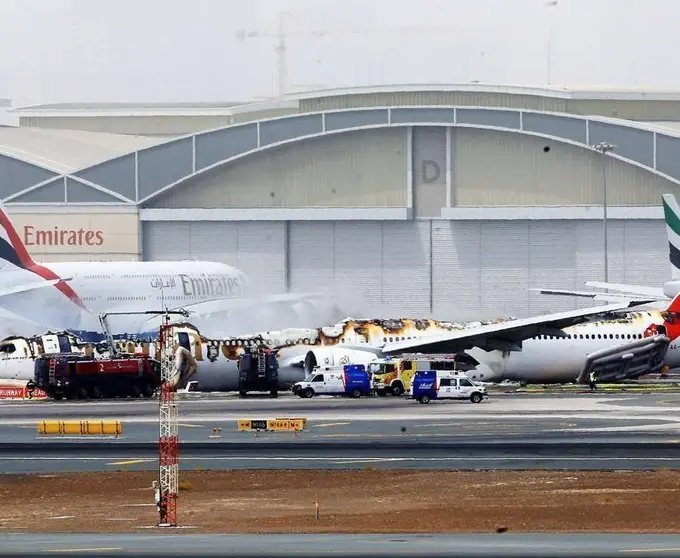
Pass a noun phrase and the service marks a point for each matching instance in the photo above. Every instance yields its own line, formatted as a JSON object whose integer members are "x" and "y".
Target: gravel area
{"x": 350, "y": 501}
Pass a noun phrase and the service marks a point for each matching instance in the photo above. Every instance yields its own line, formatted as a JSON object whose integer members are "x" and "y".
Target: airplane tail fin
{"x": 13, "y": 253}
{"x": 671, "y": 211}
{"x": 12, "y": 249}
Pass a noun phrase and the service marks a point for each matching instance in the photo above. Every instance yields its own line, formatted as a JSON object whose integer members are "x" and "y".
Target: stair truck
{"x": 351, "y": 380}
{"x": 258, "y": 370}
{"x": 442, "y": 384}
{"x": 394, "y": 374}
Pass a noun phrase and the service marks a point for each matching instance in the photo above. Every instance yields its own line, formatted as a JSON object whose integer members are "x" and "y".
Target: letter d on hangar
{"x": 430, "y": 171}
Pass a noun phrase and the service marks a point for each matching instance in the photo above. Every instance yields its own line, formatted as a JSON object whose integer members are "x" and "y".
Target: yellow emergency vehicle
{"x": 394, "y": 374}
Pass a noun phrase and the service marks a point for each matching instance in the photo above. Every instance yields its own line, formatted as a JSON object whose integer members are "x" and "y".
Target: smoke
{"x": 302, "y": 310}
{"x": 12, "y": 326}
{"x": 326, "y": 306}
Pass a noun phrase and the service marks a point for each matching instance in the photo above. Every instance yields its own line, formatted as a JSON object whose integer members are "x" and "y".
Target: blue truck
{"x": 351, "y": 379}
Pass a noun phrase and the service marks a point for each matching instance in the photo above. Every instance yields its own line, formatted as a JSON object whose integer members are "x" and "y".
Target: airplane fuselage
{"x": 120, "y": 286}
{"x": 543, "y": 359}
{"x": 548, "y": 358}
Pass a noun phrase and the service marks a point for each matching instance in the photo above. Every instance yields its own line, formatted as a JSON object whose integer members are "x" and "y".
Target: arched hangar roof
{"x": 145, "y": 173}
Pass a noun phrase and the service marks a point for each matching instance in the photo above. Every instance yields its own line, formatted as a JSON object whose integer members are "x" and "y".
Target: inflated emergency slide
{"x": 626, "y": 361}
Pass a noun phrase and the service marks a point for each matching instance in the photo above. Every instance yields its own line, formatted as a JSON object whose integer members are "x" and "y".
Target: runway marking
{"x": 190, "y": 425}
{"x": 336, "y": 458}
{"x": 331, "y": 424}
{"x": 131, "y": 462}
{"x": 369, "y": 460}
{"x": 102, "y": 549}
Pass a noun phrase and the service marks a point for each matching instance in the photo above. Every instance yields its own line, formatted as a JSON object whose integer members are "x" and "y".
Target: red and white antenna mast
{"x": 168, "y": 442}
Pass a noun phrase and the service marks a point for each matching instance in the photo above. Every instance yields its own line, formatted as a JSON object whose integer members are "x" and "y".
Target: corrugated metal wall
{"x": 486, "y": 267}
{"x": 385, "y": 265}
{"x": 632, "y": 110}
{"x": 257, "y": 248}
{"x": 358, "y": 169}
{"x": 500, "y": 168}
{"x": 464, "y": 270}
{"x": 433, "y": 98}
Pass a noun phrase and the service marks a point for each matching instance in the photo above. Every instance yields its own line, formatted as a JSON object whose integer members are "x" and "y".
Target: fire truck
{"x": 77, "y": 376}
{"x": 394, "y": 374}
{"x": 258, "y": 370}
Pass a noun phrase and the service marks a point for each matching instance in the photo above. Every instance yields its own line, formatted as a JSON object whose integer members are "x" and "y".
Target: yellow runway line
{"x": 131, "y": 462}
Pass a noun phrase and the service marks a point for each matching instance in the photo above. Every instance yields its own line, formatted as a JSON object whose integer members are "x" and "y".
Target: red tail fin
{"x": 12, "y": 249}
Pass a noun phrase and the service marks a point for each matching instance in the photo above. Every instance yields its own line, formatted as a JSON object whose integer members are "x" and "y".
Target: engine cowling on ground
{"x": 335, "y": 356}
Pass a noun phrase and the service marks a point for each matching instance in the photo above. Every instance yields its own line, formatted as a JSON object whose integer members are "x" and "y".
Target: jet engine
{"x": 336, "y": 356}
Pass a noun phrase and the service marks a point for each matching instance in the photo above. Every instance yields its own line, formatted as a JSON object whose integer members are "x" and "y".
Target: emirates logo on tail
{"x": 13, "y": 251}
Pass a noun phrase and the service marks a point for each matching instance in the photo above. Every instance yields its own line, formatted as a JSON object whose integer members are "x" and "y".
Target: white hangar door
{"x": 373, "y": 267}
{"x": 255, "y": 247}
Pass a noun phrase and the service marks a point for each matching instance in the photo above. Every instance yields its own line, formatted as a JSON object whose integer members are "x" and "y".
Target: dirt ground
{"x": 360, "y": 501}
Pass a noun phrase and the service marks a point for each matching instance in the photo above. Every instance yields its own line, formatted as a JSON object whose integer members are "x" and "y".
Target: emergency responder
{"x": 593, "y": 385}
{"x": 30, "y": 389}
{"x": 158, "y": 499}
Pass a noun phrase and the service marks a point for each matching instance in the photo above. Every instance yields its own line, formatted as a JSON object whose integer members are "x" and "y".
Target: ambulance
{"x": 350, "y": 380}
{"x": 444, "y": 384}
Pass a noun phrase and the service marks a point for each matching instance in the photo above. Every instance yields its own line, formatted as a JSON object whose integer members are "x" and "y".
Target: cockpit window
{"x": 7, "y": 348}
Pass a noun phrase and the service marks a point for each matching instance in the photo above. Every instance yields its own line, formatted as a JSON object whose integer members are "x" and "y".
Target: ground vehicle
{"x": 352, "y": 379}
{"x": 394, "y": 374}
{"x": 78, "y": 376}
{"x": 440, "y": 384}
{"x": 258, "y": 370}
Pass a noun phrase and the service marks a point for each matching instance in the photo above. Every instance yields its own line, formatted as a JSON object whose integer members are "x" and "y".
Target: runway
{"x": 593, "y": 431}
{"x": 481, "y": 545}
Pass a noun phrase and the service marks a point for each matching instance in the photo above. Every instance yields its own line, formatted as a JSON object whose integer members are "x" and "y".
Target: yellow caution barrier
{"x": 80, "y": 427}
{"x": 273, "y": 425}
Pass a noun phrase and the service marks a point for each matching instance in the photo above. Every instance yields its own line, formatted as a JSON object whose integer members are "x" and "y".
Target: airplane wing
{"x": 605, "y": 297}
{"x": 504, "y": 335}
{"x": 630, "y": 289}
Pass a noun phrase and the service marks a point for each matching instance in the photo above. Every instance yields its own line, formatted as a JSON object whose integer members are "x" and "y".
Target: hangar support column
{"x": 429, "y": 171}
{"x": 450, "y": 198}
{"x": 409, "y": 170}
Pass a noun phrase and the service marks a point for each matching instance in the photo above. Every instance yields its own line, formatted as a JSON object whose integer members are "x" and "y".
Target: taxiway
{"x": 593, "y": 431}
{"x": 480, "y": 545}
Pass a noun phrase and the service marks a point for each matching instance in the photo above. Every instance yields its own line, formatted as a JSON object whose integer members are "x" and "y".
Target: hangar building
{"x": 438, "y": 200}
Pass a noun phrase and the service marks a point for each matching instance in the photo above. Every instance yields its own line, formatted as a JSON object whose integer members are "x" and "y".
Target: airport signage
{"x": 10, "y": 392}
{"x": 74, "y": 234}
{"x": 34, "y": 236}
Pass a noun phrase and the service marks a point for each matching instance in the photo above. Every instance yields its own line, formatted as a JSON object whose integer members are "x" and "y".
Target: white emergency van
{"x": 351, "y": 379}
{"x": 444, "y": 384}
